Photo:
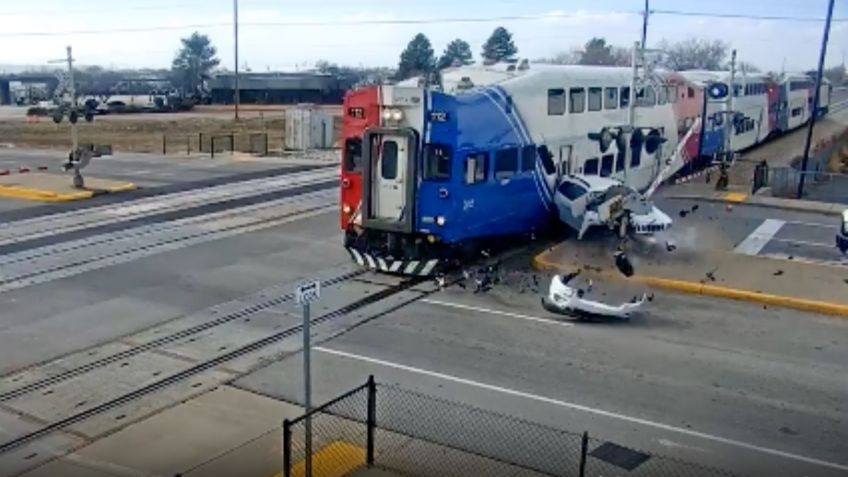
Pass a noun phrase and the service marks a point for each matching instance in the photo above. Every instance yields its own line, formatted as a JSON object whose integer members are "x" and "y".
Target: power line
{"x": 411, "y": 21}
{"x": 743, "y": 16}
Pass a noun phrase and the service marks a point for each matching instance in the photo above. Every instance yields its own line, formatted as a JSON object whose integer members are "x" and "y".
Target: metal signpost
{"x": 304, "y": 294}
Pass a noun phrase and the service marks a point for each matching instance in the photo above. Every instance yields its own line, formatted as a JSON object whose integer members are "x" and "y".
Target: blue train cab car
{"x": 444, "y": 174}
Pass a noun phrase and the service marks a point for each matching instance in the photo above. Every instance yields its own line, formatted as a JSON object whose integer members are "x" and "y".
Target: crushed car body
{"x": 567, "y": 300}
{"x": 585, "y": 201}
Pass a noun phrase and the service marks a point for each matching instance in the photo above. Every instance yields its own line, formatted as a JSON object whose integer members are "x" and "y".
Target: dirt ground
{"x": 147, "y": 132}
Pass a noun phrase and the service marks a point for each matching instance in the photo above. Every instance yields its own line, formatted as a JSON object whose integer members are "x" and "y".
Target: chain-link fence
{"x": 414, "y": 434}
{"x": 334, "y": 439}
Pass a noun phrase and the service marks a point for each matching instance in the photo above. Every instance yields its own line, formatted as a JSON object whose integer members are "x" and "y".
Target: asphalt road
{"x": 802, "y": 236}
{"x": 722, "y": 383}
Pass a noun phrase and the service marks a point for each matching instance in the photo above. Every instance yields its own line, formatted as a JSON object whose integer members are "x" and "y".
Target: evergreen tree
{"x": 499, "y": 46}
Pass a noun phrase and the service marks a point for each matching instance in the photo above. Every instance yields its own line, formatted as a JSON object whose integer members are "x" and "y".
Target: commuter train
{"x": 433, "y": 174}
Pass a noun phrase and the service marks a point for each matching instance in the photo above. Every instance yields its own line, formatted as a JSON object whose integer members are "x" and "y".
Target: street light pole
{"x": 645, "y": 23}
{"x": 236, "y": 35}
{"x": 816, "y": 99}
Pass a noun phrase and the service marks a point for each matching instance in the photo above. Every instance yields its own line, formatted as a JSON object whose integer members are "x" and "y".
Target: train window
{"x": 690, "y": 92}
{"x": 475, "y": 167}
{"x": 748, "y": 90}
{"x": 437, "y": 164}
{"x": 606, "y": 165}
{"x": 389, "y": 160}
{"x": 662, "y": 95}
{"x": 577, "y": 100}
{"x": 547, "y": 159}
{"x": 611, "y": 98}
{"x": 353, "y": 154}
{"x": 590, "y": 166}
{"x": 619, "y": 161}
{"x": 572, "y": 190}
{"x": 636, "y": 157}
{"x": 625, "y": 96}
{"x": 556, "y": 102}
{"x": 506, "y": 163}
{"x": 596, "y": 98}
{"x": 671, "y": 93}
{"x": 528, "y": 158}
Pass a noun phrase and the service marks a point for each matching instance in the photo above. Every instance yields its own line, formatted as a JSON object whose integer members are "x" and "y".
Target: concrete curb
{"x": 541, "y": 263}
{"x": 826, "y": 208}
{"x": 41, "y": 195}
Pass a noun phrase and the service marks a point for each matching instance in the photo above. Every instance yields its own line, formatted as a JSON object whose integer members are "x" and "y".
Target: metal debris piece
{"x": 623, "y": 263}
{"x": 778, "y": 273}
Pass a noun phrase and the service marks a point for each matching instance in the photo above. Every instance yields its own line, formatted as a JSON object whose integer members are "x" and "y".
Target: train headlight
{"x": 440, "y": 221}
{"x": 346, "y": 209}
{"x": 392, "y": 114}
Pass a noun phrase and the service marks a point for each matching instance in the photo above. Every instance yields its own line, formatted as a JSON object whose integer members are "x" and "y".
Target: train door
{"x": 564, "y": 161}
{"x": 391, "y": 160}
{"x": 389, "y": 189}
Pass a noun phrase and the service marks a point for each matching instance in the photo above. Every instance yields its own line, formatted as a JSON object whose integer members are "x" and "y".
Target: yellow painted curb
{"x": 25, "y": 193}
{"x": 541, "y": 263}
{"x": 736, "y": 197}
{"x": 336, "y": 459}
{"x": 123, "y": 187}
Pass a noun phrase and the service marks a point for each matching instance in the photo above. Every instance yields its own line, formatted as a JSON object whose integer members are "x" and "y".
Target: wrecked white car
{"x": 564, "y": 299}
{"x": 587, "y": 201}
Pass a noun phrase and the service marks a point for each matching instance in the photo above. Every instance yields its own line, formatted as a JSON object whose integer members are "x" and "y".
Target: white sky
{"x": 768, "y": 44}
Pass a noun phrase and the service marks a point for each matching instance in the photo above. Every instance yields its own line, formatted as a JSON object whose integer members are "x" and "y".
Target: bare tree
{"x": 694, "y": 54}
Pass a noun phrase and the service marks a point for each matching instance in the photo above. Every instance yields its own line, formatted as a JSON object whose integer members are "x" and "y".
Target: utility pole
{"x": 816, "y": 99}
{"x": 645, "y": 15}
{"x": 729, "y": 114}
{"x": 235, "y": 34}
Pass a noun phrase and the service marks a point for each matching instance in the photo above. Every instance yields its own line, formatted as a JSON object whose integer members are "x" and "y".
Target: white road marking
{"x": 591, "y": 410}
{"x": 759, "y": 237}
{"x": 804, "y": 242}
{"x": 496, "y": 312}
{"x": 812, "y": 224}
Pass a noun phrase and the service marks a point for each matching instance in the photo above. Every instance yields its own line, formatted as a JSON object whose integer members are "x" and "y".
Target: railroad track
{"x": 100, "y": 216}
{"x": 51, "y": 262}
{"x": 203, "y": 366}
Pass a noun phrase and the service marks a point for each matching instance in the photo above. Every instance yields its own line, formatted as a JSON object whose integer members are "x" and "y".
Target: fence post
{"x": 232, "y": 142}
{"x": 584, "y": 448}
{"x": 212, "y": 145}
{"x": 286, "y": 448}
{"x": 372, "y": 420}
{"x": 188, "y": 145}
{"x": 200, "y": 142}
{"x": 266, "y": 144}
{"x": 164, "y": 144}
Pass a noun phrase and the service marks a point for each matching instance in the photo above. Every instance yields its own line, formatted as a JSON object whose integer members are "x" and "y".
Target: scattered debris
{"x": 670, "y": 247}
{"x": 711, "y": 276}
{"x": 729, "y": 207}
{"x": 683, "y": 213}
{"x": 623, "y": 263}
{"x": 695, "y": 207}
{"x": 778, "y": 273}
{"x": 791, "y": 257}
{"x": 845, "y": 280}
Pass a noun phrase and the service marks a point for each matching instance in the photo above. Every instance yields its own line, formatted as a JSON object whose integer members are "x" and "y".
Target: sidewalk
{"x": 225, "y": 432}
{"x": 798, "y": 285}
